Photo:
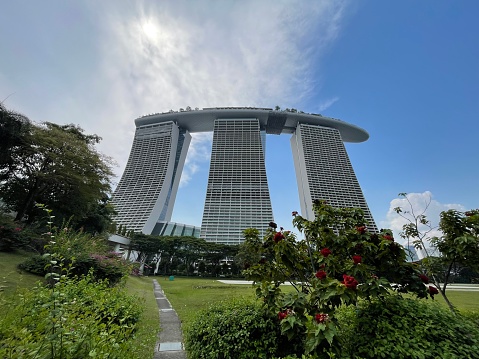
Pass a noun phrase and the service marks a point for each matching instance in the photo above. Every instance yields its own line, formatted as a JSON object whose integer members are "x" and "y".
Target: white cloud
{"x": 323, "y": 105}
{"x": 420, "y": 203}
{"x": 167, "y": 55}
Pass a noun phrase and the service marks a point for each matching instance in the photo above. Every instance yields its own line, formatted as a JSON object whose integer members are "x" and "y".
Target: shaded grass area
{"x": 12, "y": 278}
{"x": 190, "y": 295}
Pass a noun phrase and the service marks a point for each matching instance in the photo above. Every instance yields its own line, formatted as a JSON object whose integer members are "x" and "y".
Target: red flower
{"x": 278, "y": 237}
{"x": 424, "y": 278}
{"x": 321, "y": 274}
{"x": 321, "y": 318}
{"x": 282, "y": 315}
{"x": 361, "y": 229}
{"x": 357, "y": 259}
{"x": 469, "y": 213}
{"x": 325, "y": 252}
{"x": 433, "y": 291}
{"x": 18, "y": 229}
{"x": 349, "y": 281}
{"x": 388, "y": 237}
{"x": 294, "y": 213}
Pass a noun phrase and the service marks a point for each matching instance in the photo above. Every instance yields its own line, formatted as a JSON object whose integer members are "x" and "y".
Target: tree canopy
{"x": 56, "y": 165}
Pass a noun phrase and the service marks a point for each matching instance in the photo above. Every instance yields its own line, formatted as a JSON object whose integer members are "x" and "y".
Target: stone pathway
{"x": 170, "y": 339}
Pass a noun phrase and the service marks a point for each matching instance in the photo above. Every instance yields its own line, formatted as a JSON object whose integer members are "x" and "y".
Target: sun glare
{"x": 150, "y": 30}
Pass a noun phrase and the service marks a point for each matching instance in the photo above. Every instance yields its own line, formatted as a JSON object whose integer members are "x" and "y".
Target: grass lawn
{"x": 189, "y": 295}
{"x": 12, "y": 278}
{"x": 149, "y": 327}
{"x": 462, "y": 300}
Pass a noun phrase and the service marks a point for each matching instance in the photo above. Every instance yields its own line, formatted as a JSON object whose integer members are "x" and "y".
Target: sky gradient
{"x": 407, "y": 72}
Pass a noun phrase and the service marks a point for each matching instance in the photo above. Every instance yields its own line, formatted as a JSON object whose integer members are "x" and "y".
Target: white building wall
{"x": 324, "y": 171}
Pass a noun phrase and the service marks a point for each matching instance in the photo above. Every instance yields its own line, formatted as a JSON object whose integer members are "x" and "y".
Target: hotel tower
{"x": 237, "y": 195}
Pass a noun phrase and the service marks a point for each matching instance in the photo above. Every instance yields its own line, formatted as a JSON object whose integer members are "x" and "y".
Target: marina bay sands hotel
{"x": 237, "y": 195}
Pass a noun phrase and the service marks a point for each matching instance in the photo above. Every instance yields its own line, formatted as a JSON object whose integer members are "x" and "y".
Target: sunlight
{"x": 150, "y": 30}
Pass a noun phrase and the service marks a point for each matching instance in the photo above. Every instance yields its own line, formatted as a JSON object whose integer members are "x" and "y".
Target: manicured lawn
{"x": 189, "y": 295}
{"x": 461, "y": 299}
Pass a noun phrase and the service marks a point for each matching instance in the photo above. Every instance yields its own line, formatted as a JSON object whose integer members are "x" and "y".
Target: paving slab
{"x": 170, "y": 339}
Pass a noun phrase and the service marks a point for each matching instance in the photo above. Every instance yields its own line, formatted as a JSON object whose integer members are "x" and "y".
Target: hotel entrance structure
{"x": 237, "y": 196}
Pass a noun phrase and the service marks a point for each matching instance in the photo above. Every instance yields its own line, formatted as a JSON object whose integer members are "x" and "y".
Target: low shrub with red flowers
{"x": 361, "y": 229}
{"x": 357, "y": 259}
{"x": 358, "y": 266}
{"x": 349, "y": 281}
{"x": 432, "y": 291}
{"x": 321, "y": 317}
{"x": 325, "y": 252}
{"x": 282, "y": 315}
{"x": 321, "y": 274}
{"x": 278, "y": 237}
{"x": 388, "y": 237}
{"x": 424, "y": 278}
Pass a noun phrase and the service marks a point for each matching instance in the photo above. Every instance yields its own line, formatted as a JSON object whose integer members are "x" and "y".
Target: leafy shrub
{"x": 236, "y": 329}
{"x": 82, "y": 253}
{"x": 74, "y": 319}
{"x": 406, "y": 328}
{"x": 102, "y": 266}
{"x": 11, "y": 236}
{"x": 35, "y": 264}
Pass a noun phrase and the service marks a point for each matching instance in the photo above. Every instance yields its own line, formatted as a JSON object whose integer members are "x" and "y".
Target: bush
{"x": 406, "y": 328}
{"x": 235, "y": 329}
{"x": 74, "y": 319}
{"x": 102, "y": 266}
{"x": 11, "y": 236}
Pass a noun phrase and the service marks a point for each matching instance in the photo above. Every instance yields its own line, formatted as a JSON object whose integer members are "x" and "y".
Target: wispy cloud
{"x": 167, "y": 55}
{"x": 106, "y": 63}
{"x": 323, "y": 105}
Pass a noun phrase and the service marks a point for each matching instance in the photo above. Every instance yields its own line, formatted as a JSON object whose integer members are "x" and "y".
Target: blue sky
{"x": 407, "y": 72}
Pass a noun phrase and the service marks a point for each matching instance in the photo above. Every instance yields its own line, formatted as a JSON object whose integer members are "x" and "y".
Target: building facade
{"x": 237, "y": 195}
{"x": 323, "y": 171}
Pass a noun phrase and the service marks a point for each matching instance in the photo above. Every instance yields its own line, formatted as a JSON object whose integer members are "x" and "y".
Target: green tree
{"x": 249, "y": 252}
{"x": 457, "y": 246}
{"x": 56, "y": 165}
{"x": 14, "y": 133}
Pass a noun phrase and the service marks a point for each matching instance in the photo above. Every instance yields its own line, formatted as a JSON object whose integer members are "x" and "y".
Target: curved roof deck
{"x": 274, "y": 122}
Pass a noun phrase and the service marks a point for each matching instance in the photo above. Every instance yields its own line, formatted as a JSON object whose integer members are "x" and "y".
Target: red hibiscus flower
{"x": 325, "y": 252}
{"x": 357, "y": 259}
{"x": 424, "y": 278}
{"x": 361, "y": 229}
{"x": 321, "y": 318}
{"x": 433, "y": 291}
{"x": 282, "y": 315}
{"x": 349, "y": 281}
{"x": 278, "y": 237}
{"x": 321, "y": 274}
{"x": 388, "y": 237}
